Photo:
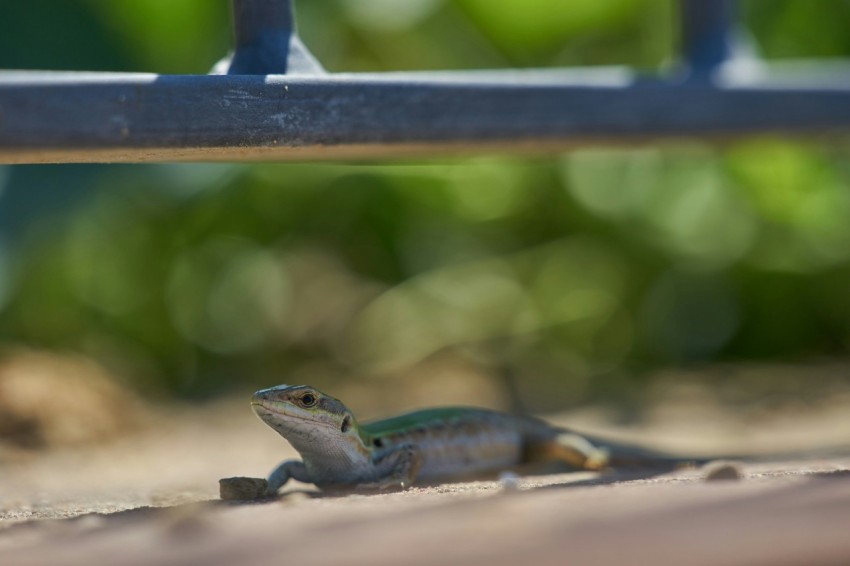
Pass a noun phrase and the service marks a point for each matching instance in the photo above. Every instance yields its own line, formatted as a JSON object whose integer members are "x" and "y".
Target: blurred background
{"x": 601, "y": 276}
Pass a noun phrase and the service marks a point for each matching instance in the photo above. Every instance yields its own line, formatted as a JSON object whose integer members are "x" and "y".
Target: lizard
{"x": 429, "y": 445}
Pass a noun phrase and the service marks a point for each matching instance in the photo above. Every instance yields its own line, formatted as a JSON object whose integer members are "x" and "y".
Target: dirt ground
{"x": 151, "y": 498}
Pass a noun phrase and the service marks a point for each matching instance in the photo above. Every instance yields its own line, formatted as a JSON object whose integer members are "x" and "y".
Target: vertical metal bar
{"x": 266, "y": 41}
{"x": 706, "y": 34}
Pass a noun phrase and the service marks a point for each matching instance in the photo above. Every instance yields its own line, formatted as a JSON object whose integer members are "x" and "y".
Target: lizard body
{"x": 428, "y": 445}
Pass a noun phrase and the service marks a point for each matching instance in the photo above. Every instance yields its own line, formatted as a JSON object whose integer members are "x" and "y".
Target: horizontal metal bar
{"x": 85, "y": 117}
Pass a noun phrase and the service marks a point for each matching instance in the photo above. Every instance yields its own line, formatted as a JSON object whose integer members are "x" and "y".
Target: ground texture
{"x": 151, "y": 498}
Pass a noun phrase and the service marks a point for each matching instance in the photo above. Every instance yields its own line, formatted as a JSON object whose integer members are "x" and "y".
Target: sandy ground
{"x": 152, "y": 499}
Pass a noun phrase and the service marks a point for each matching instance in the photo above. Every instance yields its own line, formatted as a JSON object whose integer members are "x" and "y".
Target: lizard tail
{"x": 619, "y": 455}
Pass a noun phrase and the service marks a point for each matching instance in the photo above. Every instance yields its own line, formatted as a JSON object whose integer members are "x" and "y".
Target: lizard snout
{"x": 270, "y": 396}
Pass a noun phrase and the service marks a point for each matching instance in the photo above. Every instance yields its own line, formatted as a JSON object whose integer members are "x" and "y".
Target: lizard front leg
{"x": 396, "y": 468}
{"x": 247, "y": 489}
{"x": 290, "y": 469}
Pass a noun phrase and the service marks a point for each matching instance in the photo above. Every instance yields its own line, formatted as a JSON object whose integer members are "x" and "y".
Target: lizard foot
{"x": 579, "y": 452}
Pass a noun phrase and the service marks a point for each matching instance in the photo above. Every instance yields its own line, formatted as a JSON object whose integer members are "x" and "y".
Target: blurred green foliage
{"x": 584, "y": 270}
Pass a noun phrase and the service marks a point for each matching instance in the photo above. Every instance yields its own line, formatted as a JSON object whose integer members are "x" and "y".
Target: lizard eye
{"x": 308, "y": 400}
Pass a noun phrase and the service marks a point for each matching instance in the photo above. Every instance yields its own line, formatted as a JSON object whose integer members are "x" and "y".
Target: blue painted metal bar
{"x": 53, "y": 117}
{"x": 279, "y": 104}
{"x": 266, "y": 40}
{"x": 706, "y": 35}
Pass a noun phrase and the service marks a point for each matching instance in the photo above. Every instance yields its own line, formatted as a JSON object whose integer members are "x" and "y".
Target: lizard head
{"x": 303, "y": 415}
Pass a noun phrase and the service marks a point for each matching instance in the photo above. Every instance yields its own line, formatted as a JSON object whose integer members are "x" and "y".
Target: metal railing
{"x": 273, "y": 100}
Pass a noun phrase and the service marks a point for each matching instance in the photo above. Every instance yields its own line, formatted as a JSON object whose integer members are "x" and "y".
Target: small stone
{"x": 509, "y": 481}
{"x": 723, "y": 471}
{"x": 243, "y": 489}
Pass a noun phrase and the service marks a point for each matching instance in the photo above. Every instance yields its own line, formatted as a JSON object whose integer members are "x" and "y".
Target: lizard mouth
{"x": 284, "y": 415}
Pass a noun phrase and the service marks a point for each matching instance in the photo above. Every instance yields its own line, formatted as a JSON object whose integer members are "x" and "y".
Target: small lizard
{"x": 429, "y": 445}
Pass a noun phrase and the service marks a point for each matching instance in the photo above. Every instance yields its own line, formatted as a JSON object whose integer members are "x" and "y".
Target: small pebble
{"x": 723, "y": 471}
{"x": 242, "y": 489}
{"x": 509, "y": 481}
